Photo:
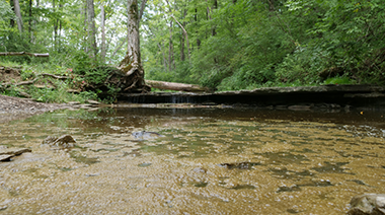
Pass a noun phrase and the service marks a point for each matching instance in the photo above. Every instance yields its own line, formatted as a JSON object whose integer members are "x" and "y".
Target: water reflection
{"x": 228, "y": 161}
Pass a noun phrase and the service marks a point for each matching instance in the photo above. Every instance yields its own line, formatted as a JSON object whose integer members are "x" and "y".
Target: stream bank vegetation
{"x": 217, "y": 44}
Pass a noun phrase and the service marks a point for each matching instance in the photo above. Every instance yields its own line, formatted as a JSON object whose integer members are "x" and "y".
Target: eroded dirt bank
{"x": 12, "y": 108}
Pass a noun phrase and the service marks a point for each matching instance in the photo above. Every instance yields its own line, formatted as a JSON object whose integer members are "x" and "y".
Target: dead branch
{"x": 55, "y": 76}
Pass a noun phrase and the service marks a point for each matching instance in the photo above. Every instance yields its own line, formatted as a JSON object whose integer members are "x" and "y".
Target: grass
{"x": 58, "y": 94}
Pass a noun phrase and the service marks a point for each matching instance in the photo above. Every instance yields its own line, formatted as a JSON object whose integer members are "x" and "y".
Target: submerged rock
{"x": 7, "y": 153}
{"x": 368, "y": 204}
{"x": 14, "y": 151}
{"x": 242, "y": 165}
{"x": 65, "y": 141}
{"x": 144, "y": 135}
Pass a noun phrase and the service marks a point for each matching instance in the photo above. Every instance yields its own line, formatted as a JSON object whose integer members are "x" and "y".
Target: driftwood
{"x": 176, "y": 86}
{"x": 24, "y": 53}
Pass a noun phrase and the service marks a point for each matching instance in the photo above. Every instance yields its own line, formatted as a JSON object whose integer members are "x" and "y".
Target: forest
{"x": 219, "y": 44}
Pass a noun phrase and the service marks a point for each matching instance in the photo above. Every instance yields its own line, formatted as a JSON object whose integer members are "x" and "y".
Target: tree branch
{"x": 24, "y": 53}
{"x": 142, "y": 6}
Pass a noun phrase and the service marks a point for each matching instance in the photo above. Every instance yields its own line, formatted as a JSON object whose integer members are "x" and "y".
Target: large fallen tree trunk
{"x": 176, "y": 86}
{"x": 24, "y": 53}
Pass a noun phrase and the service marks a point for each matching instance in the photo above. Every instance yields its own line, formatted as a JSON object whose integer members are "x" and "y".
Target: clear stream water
{"x": 210, "y": 161}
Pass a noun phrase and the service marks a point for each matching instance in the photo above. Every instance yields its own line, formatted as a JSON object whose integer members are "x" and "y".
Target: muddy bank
{"x": 12, "y": 108}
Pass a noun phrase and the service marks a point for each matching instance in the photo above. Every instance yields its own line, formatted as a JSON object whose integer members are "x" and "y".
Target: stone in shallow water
{"x": 145, "y": 135}
{"x": 14, "y": 151}
{"x": 63, "y": 141}
{"x": 368, "y": 204}
{"x": 242, "y": 165}
{"x": 7, "y": 153}
{"x": 6, "y": 157}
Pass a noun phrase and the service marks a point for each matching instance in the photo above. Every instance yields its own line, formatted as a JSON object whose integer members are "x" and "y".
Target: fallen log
{"x": 176, "y": 86}
{"x": 24, "y": 53}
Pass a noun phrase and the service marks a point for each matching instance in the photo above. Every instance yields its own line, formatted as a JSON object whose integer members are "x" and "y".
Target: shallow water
{"x": 210, "y": 161}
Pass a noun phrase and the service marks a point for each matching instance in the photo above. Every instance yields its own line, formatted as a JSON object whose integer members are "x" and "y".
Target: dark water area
{"x": 206, "y": 161}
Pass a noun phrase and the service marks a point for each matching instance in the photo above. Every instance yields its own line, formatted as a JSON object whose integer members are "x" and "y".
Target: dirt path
{"x": 12, "y": 108}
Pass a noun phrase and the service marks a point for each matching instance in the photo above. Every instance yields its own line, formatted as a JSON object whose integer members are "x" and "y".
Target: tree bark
{"x": 215, "y": 6}
{"x": 30, "y": 20}
{"x": 196, "y": 22}
{"x": 60, "y": 29}
{"x": 103, "y": 43}
{"x": 170, "y": 50}
{"x": 91, "y": 30}
{"x": 142, "y": 6}
{"x": 12, "y": 21}
{"x": 131, "y": 65}
{"x": 54, "y": 27}
{"x": 182, "y": 55}
{"x": 19, "y": 20}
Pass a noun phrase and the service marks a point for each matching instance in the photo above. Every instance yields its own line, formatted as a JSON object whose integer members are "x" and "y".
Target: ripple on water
{"x": 232, "y": 162}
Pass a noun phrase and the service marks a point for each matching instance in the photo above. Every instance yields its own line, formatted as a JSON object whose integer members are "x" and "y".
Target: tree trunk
{"x": 18, "y": 15}
{"x": 30, "y": 20}
{"x": 176, "y": 86}
{"x": 103, "y": 43}
{"x": 131, "y": 65}
{"x": 182, "y": 56}
{"x": 164, "y": 57}
{"x": 60, "y": 29}
{"x": 91, "y": 30}
{"x": 170, "y": 50}
{"x": 215, "y": 6}
{"x": 184, "y": 33}
{"x": 12, "y": 21}
{"x": 196, "y": 22}
{"x": 35, "y": 21}
{"x": 54, "y": 27}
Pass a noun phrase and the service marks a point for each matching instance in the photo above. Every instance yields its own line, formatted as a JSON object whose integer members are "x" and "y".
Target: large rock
{"x": 368, "y": 204}
{"x": 65, "y": 141}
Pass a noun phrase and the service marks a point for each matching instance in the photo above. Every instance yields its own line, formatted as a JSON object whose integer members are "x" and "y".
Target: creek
{"x": 207, "y": 161}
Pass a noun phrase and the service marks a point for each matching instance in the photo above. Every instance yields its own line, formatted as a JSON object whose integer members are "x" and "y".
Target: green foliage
{"x": 339, "y": 80}
{"x": 233, "y": 45}
{"x": 249, "y": 44}
{"x": 6, "y": 11}
{"x": 27, "y": 75}
{"x": 12, "y": 91}
{"x": 97, "y": 76}
{"x": 60, "y": 95}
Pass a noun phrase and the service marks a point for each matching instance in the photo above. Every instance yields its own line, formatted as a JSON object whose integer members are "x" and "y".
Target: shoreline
{"x": 13, "y": 108}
